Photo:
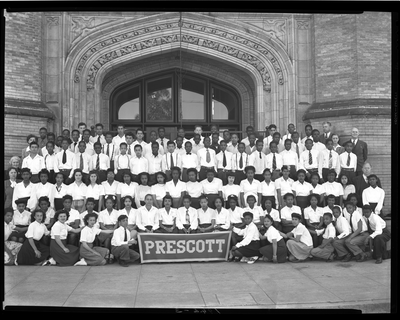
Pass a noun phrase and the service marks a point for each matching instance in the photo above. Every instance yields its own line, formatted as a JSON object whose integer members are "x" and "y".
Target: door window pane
{"x": 192, "y": 99}
{"x": 159, "y": 100}
{"x": 129, "y": 104}
{"x": 224, "y": 104}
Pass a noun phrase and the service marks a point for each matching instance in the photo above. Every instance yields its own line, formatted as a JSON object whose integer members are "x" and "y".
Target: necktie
{"x": 241, "y": 161}
{"x": 309, "y": 157}
{"x": 45, "y": 164}
{"x": 187, "y": 217}
{"x": 64, "y": 159}
{"x": 260, "y": 156}
{"x": 162, "y": 143}
{"x": 297, "y": 151}
{"x": 274, "y": 162}
{"x": 351, "y": 223}
{"x": 129, "y": 150}
{"x": 348, "y": 160}
{"x": 75, "y": 143}
{"x": 369, "y": 227}
{"x": 172, "y": 161}
{"x": 108, "y": 150}
{"x": 224, "y": 159}
{"x": 98, "y": 162}
{"x": 125, "y": 236}
{"x": 330, "y": 159}
{"x": 98, "y": 139}
{"x": 188, "y": 153}
{"x": 208, "y": 157}
{"x": 81, "y": 162}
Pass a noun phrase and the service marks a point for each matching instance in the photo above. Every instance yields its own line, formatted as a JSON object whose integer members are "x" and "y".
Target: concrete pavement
{"x": 315, "y": 284}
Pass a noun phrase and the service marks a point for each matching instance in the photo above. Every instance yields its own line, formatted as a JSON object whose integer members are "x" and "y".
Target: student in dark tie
{"x": 360, "y": 149}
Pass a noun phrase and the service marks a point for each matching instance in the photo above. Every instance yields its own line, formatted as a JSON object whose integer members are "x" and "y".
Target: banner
{"x": 164, "y": 247}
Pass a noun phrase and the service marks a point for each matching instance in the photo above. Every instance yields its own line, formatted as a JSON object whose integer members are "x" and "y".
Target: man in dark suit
{"x": 360, "y": 149}
{"x": 361, "y": 182}
{"x": 327, "y": 133}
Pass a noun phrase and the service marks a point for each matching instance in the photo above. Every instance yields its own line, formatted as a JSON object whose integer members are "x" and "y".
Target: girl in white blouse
{"x": 110, "y": 185}
{"x": 206, "y": 216}
{"x": 274, "y": 250}
{"x": 125, "y": 188}
{"x": 347, "y": 188}
{"x": 158, "y": 189}
{"x": 231, "y": 189}
{"x": 59, "y": 190}
{"x": 194, "y": 188}
{"x": 95, "y": 191}
{"x": 176, "y": 188}
{"x": 11, "y": 248}
{"x": 212, "y": 187}
{"x": 325, "y": 251}
{"x": 34, "y": 251}
{"x": 333, "y": 187}
{"x": 257, "y": 211}
{"x": 142, "y": 189}
{"x": 313, "y": 218}
{"x": 21, "y": 221}
{"x": 78, "y": 191}
{"x": 24, "y": 190}
{"x": 108, "y": 220}
{"x": 186, "y": 217}
{"x": 274, "y": 214}
{"x": 317, "y": 188}
{"x": 235, "y": 212}
{"x": 42, "y": 188}
{"x": 130, "y": 212}
{"x": 266, "y": 190}
{"x": 167, "y": 217}
{"x": 301, "y": 190}
{"x": 222, "y": 219}
{"x": 248, "y": 185}
{"x": 283, "y": 185}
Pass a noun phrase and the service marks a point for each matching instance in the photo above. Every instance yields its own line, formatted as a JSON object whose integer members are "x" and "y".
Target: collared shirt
{"x": 301, "y": 148}
{"x": 223, "y": 218}
{"x": 249, "y": 233}
{"x": 127, "y": 189}
{"x": 110, "y": 189}
{"x": 42, "y": 190}
{"x": 129, "y": 147}
{"x": 305, "y": 236}
{"x": 154, "y": 163}
{"x": 246, "y": 187}
{"x": 35, "y": 164}
{"x": 94, "y": 191}
{"x": 146, "y": 217}
{"x": 76, "y": 164}
{"x": 220, "y": 160}
{"x": 236, "y": 161}
{"x": 206, "y": 216}
{"x": 286, "y": 212}
{"x": 374, "y": 195}
{"x": 49, "y": 215}
{"x": 175, "y": 190}
{"x": 267, "y": 189}
{"x": 289, "y": 158}
{"x": 89, "y": 148}
{"x": 313, "y": 215}
{"x": 196, "y": 147}
{"x": 190, "y": 161}
{"x": 236, "y": 215}
{"x": 194, "y": 189}
{"x": 284, "y": 185}
{"x": 58, "y": 192}
{"x": 117, "y": 140}
{"x": 138, "y": 165}
{"x": 246, "y": 141}
{"x": 318, "y": 189}
{"x": 202, "y": 155}
{"x": 49, "y": 161}
{"x": 119, "y": 236}
{"x": 227, "y": 190}
{"x": 167, "y": 217}
{"x": 267, "y": 141}
{"x": 328, "y": 232}
{"x": 281, "y": 147}
{"x": 318, "y": 146}
{"x": 166, "y": 161}
{"x": 274, "y": 214}
{"x": 8, "y": 229}
{"x": 83, "y": 215}
{"x": 342, "y": 227}
{"x": 213, "y": 187}
{"x": 20, "y": 191}
{"x": 77, "y": 192}
{"x": 343, "y": 160}
{"x": 376, "y": 223}
{"x": 95, "y": 139}
{"x": 121, "y": 161}
{"x": 73, "y": 147}
{"x": 60, "y": 229}
{"x": 73, "y": 215}
{"x": 259, "y": 163}
{"x": 181, "y": 151}
{"x": 108, "y": 218}
{"x": 140, "y": 193}
{"x": 334, "y": 188}
{"x": 269, "y": 161}
{"x": 231, "y": 148}
{"x": 304, "y": 158}
{"x": 353, "y": 220}
{"x": 181, "y": 218}
{"x": 36, "y": 231}
{"x": 250, "y": 149}
{"x": 112, "y": 150}
{"x": 158, "y": 190}
{"x": 273, "y": 234}
{"x": 257, "y": 212}
{"x": 131, "y": 215}
{"x": 142, "y": 143}
{"x": 302, "y": 189}
{"x": 286, "y": 136}
{"x": 148, "y": 149}
{"x": 104, "y": 162}
{"x": 89, "y": 234}
{"x": 324, "y": 161}
{"x": 21, "y": 219}
{"x": 163, "y": 146}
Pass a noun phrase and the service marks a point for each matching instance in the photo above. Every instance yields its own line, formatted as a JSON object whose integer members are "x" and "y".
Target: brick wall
{"x": 23, "y": 55}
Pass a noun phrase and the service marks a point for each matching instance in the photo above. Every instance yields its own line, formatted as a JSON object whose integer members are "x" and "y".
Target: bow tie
{"x": 188, "y": 153}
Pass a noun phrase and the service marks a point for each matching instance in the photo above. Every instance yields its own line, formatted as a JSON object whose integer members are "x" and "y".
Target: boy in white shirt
{"x": 120, "y": 137}
{"x": 188, "y": 160}
{"x": 34, "y": 162}
{"x": 138, "y": 163}
{"x": 109, "y": 148}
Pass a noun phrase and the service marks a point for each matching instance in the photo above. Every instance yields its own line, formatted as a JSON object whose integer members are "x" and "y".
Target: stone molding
{"x": 53, "y": 21}
{"x": 27, "y": 108}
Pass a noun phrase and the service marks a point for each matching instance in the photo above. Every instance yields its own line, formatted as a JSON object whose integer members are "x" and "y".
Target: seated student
{"x": 21, "y": 221}
{"x": 95, "y": 190}
{"x": 59, "y": 190}
{"x": 299, "y": 242}
{"x": 286, "y": 213}
{"x": 11, "y": 248}
{"x": 212, "y": 187}
{"x": 77, "y": 190}
{"x": 257, "y": 211}
{"x": 44, "y": 205}
{"x": 108, "y": 221}
{"x": 222, "y": 218}
{"x": 100, "y": 162}
{"x": 147, "y": 219}
{"x": 186, "y": 217}
{"x": 176, "y": 188}
{"x": 131, "y": 213}
{"x": 330, "y": 201}
{"x": 235, "y": 213}
{"x": 373, "y": 195}
{"x": 90, "y": 202}
{"x": 194, "y": 188}
{"x": 142, "y": 189}
{"x": 325, "y": 250}
{"x": 61, "y": 252}
{"x": 317, "y": 188}
{"x": 34, "y": 162}
{"x": 206, "y": 216}
{"x": 290, "y": 159}
{"x": 347, "y": 188}
{"x": 224, "y": 162}
{"x": 379, "y": 235}
{"x": 273, "y": 213}
{"x": 356, "y": 239}
{"x": 92, "y": 255}
{"x": 247, "y": 250}
{"x": 313, "y": 216}
{"x": 248, "y": 185}
{"x": 121, "y": 242}
{"x": 283, "y": 185}
{"x": 170, "y": 159}
{"x": 24, "y": 190}
{"x": 274, "y": 161}
{"x": 343, "y": 229}
{"x": 167, "y": 217}
{"x": 275, "y": 248}
{"x": 158, "y": 189}
{"x": 333, "y": 187}
{"x": 348, "y": 162}
{"x": 301, "y": 190}
{"x": 121, "y": 163}
{"x": 125, "y": 188}
{"x": 230, "y": 189}
{"x": 239, "y": 162}
{"x": 73, "y": 219}
{"x": 352, "y": 197}
{"x": 35, "y": 251}
{"x": 42, "y": 188}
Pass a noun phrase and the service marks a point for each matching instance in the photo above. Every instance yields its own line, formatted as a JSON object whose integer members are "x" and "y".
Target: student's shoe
{"x": 123, "y": 263}
{"x": 362, "y": 258}
{"x": 45, "y": 263}
{"x": 244, "y": 259}
{"x": 81, "y": 262}
{"x": 378, "y": 261}
{"x": 237, "y": 259}
{"x": 331, "y": 258}
{"x": 265, "y": 259}
{"x": 347, "y": 258}
{"x": 231, "y": 259}
{"x": 252, "y": 260}
{"x": 52, "y": 262}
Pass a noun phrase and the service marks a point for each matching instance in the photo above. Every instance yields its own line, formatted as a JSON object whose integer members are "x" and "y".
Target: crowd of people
{"x": 81, "y": 198}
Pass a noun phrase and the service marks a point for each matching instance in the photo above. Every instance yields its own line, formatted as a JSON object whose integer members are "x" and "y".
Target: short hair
{"x": 82, "y": 142}
{"x": 34, "y": 213}
{"x": 51, "y": 142}
{"x": 314, "y": 130}
{"x": 308, "y": 126}
{"x": 138, "y": 146}
{"x": 161, "y": 128}
{"x": 328, "y": 140}
{"x": 88, "y": 216}
{"x": 233, "y": 197}
{"x": 129, "y": 134}
{"x": 289, "y": 194}
{"x": 328, "y": 214}
{"x": 186, "y": 196}
{"x": 301, "y": 171}
{"x": 290, "y": 124}
{"x": 348, "y": 203}
{"x": 58, "y": 212}
{"x": 128, "y": 197}
{"x": 332, "y": 171}
{"x": 160, "y": 173}
{"x": 66, "y": 197}
{"x": 249, "y": 168}
{"x": 51, "y": 134}
{"x": 77, "y": 171}
{"x": 86, "y": 130}
{"x": 351, "y": 195}
{"x": 258, "y": 141}
{"x": 248, "y": 214}
{"x": 266, "y": 170}
{"x": 296, "y": 215}
{"x": 109, "y": 170}
{"x": 308, "y": 139}
{"x": 337, "y": 207}
{"x": 250, "y": 134}
{"x": 177, "y": 169}
{"x": 139, "y": 129}
{"x": 33, "y": 143}
{"x": 44, "y": 171}
{"x": 122, "y": 217}
{"x": 272, "y": 126}
{"x": 314, "y": 174}
{"x": 189, "y": 143}
{"x": 276, "y": 134}
{"x": 81, "y": 124}
{"x": 219, "y": 198}
{"x": 230, "y": 174}
{"x": 97, "y": 144}
{"x": 99, "y": 125}
{"x": 42, "y": 128}
{"x": 64, "y": 139}
{"x": 143, "y": 174}
{"x": 198, "y": 126}
{"x": 14, "y": 158}
{"x": 268, "y": 216}
{"x": 75, "y": 130}
{"x": 90, "y": 199}
{"x": 26, "y": 170}
{"x": 110, "y": 197}
{"x": 240, "y": 144}
{"x": 288, "y": 140}
{"x": 367, "y": 207}
{"x": 248, "y": 128}
{"x": 208, "y": 171}
{"x": 330, "y": 196}
{"x": 44, "y": 198}
{"x": 285, "y": 167}
{"x": 9, "y": 209}
{"x": 347, "y": 143}
{"x": 155, "y": 143}
{"x": 121, "y": 125}
{"x": 314, "y": 195}
{"x": 170, "y": 142}
{"x": 179, "y": 137}
{"x": 109, "y": 133}
{"x": 326, "y": 122}
{"x": 373, "y": 176}
{"x": 294, "y": 133}
{"x": 123, "y": 144}
{"x": 167, "y": 196}
{"x": 192, "y": 170}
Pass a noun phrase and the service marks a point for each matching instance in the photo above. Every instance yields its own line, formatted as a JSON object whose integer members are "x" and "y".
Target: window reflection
{"x": 129, "y": 101}
{"x": 159, "y": 100}
{"x": 223, "y": 104}
{"x": 192, "y": 99}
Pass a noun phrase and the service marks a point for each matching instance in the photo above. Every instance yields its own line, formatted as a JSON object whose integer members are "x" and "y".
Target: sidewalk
{"x": 316, "y": 284}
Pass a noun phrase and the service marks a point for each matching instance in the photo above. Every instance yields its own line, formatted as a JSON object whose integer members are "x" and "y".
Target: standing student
{"x": 176, "y": 188}
{"x": 308, "y": 131}
{"x": 373, "y": 195}
{"x": 49, "y": 158}
{"x": 343, "y": 229}
{"x": 309, "y": 159}
{"x": 378, "y": 233}
{"x": 239, "y": 162}
{"x": 274, "y": 161}
{"x": 269, "y": 130}
{"x": 224, "y": 162}
{"x": 42, "y": 140}
{"x": 99, "y": 136}
{"x": 231, "y": 189}
{"x": 283, "y": 185}
{"x": 129, "y": 143}
{"x": 154, "y": 160}
{"x": 148, "y": 147}
{"x": 251, "y": 147}
{"x": 287, "y": 211}
{"x": 275, "y": 251}
{"x": 360, "y": 149}
{"x": 299, "y": 242}
{"x": 170, "y": 159}
{"x": 181, "y": 133}
{"x": 180, "y": 148}
{"x": 313, "y": 216}
{"x": 333, "y": 187}
{"x": 167, "y": 217}
{"x": 29, "y": 139}
{"x": 139, "y": 140}
{"x": 279, "y": 143}
{"x": 247, "y": 250}
{"x": 290, "y": 130}
{"x": 89, "y": 145}
{"x": 78, "y": 190}
{"x": 162, "y": 140}
{"x": 95, "y": 190}
{"x": 9, "y": 186}
{"x": 21, "y": 221}
{"x": 24, "y": 190}
{"x": 207, "y": 159}
{"x": 222, "y": 218}
{"x": 110, "y": 149}
{"x": 212, "y": 187}
{"x": 297, "y": 146}
{"x": 81, "y": 162}
{"x": 248, "y": 185}
{"x": 188, "y": 160}
{"x": 348, "y": 162}
{"x": 121, "y": 242}
{"x": 301, "y": 190}
{"x": 206, "y": 216}
{"x": 81, "y": 128}
{"x": 328, "y": 160}
{"x": 142, "y": 189}
{"x": 11, "y": 248}
{"x": 226, "y": 136}
{"x": 59, "y": 190}
{"x": 34, "y": 162}
{"x": 233, "y": 146}
{"x": 125, "y": 188}
{"x": 120, "y": 137}
{"x": 64, "y": 161}
{"x": 34, "y": 251}
{"x": 196, "y": 143}
{"x": 267, "y": 190}
{"x": 50, "y": 137}
{"x": 258, "y": 159}
{"x": 249, "y": 130}
{"x": 336, "y": 146}
{"x": 121, "y": 163}
{"x": 147, "y": 219}
{"x": 42, "y": 189}
{"x": 186, "y": 217}
{"x": 325, "y": 250}
{"x": 317, "y": 188}
{"x": 99, "y": 162}
{"x": 158, "y": 190}
{"x": 73, "y": 146}
{"x": 347, "y": 188}
{"x": 290, "y": 159}
{"x": 214, "y": 129}
{"x": 138, "y": 163}
{"x": 317, "y": 145}
{"x": 273, "y": 213}
{"x": 58, "y": 143}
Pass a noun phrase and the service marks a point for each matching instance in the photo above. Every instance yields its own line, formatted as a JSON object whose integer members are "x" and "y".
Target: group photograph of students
{"x": 82, "y": 198}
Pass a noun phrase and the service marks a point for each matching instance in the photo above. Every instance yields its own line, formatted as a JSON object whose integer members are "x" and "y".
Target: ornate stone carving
{"x": 79, "y": 24}
{"x": 276, "y": 29}
{"x": 303, "y": 24}
{"x": 53, "y": 21}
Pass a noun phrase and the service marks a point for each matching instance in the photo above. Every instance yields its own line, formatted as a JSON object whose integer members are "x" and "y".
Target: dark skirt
{"x": 211, "y": 199}
{"x": 64, "y": 259}
{"x": 203, "y": 225}
{"x": 160, "y": 230}
{"x": 19, "y": 234}
{"x": 281, "y": 252}
{"x": 58, "y": 204}
{"x": 251, "y": 250}
{"x": 272, "y": 198}
{"x": 302, "y": 202}
{"x": 26, "y": 255}
{"x": 93, "y": 259}
{"x": 96, "y": 206}
{"x": 195, "y": 203}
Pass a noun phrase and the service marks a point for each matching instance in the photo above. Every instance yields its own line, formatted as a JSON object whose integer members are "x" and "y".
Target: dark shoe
{"x": 237, "y": 259}
{"x": 347, "y": 258}
{"x": 363, "y": 257}
{"x": 123, "y": 263}
{"x": 378, "y": 261}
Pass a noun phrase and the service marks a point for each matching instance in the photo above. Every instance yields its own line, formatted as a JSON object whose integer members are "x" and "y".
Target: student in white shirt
{"x": 138, "y": 163}
{"x": 95, "y": 190}
{"x": 129, "y": 143}
{"x": 274, "y": 161}
{"x": 125, "y": 188}
{"x": 89, "y": 210}
{"x": 147, "y": 218}
{"x": 162, "y": 140}
{"x": 24, "y": 190}
{"x": 269, "y": 130}
{"x": 73, "y": 147}
{"x": 120, "y": 137}
{"x": 89, "y": 145}
{"x": 222, "y": 217}
{"x": 300, "y": 242}
{"x": 158, "y": 190}
{"x": 236, "y": 215}
{"x": 317, "y": 188}
{"x": 378, "y": 233}
{"x": 258, "y": 159}
{"x": 206, "y": 216}
{"x": 301, "y": 190}
{"x": 188, "y": 160}
{"x": 176, "y": 188}
{"x": 373, "y": 195}
{"x": 153, "y": 138}
{"x": 99, "y": 136}
{"x": 11, "y": 248}
{"x": 44, "y": 205}
{"x": 108, "y": 220}
{"x": 297, "y": 146}
{"x": 34, "y": 162}
{"x": 313, "y": 217}
{"x": 266, "y": 190}
{"x": 329, "y": 159}
{"x": 277, "y": 139}
{"x": 82, "y": 162}
{"x": 197, "y": 143}
{"x": 131, "y": 213}
{"x": 333, "y": 187}
{"x": 21, "y": 221}
{"x": 330, "y": 200}
{"x": 42, "y": 189}
{"x": 248, "y": 185}
{"x": 186, "y": 217}
{"x": 180, "y": 147}
{"x": 50, "y": 160}
{"x": 139, "y": 140}
{"x": 110, "y": 185}
{"x": 308, "y": 131}
{"x": 309, "y": 159}
{"x": 286, "y": 213}
{"x": 207, "y": 159}
{"x": 121, "y": 242}
{"x": 99, "y": 162}
{"x": 231, "y": 189}
{"x": 325, "y": 250}
{"x": 251, "y": 147}
{"x": 257, "y": 211}
{"x": 78, "y": 191}
{"x": 142, "y": 189}
{"x": 275, "y": 215}
{"x": 249, "y": 130}
{"x": 247, "y": 250}
{"x": 239, "y": 162}
{"x": 275, "y": 251}
{"x": 283, "y": 186}
{"x": 212, "y": 187}
{"x": 167, "y": 217}
{"x": 346, "y": 187}
{"x": 170, "y": 159}
{"x": 224, "y": 162}
{"x": 154, "y": 159}
{"x": 110, "y": 149}
{"x": 343, "y": 229}
{"x": 73, "y": 219}
{"x": 290, "y": 159}
{"x": 290, "y": 129}
{"x": 233, "y": 146}
{"x": 348, "y": 162}
{"x": 317, "y": 145}
{"x": 121, "y": 163}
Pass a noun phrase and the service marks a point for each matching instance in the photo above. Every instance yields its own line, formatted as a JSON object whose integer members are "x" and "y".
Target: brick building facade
{"x": 65, "y": 67}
